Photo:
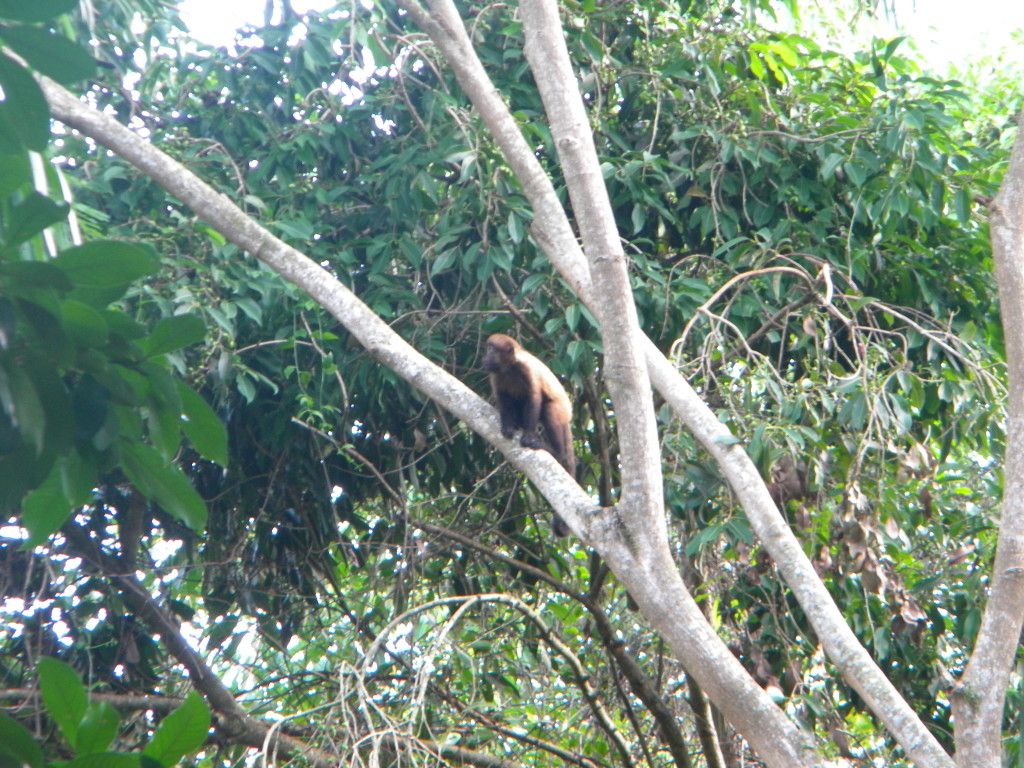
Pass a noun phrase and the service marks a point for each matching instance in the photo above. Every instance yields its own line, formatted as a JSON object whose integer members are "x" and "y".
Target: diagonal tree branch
{"x": 234, "y": 721}
{"x": 365, "y": 326}
{"x": 552, "y": 231}
{"x": 634, "y": 566}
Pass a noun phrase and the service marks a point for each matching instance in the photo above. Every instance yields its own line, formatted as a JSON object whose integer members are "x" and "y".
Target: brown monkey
{"x": 528, "y": 394}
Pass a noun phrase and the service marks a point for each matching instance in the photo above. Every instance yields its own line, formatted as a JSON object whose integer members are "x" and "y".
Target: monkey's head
{"x": 501, "y": 352}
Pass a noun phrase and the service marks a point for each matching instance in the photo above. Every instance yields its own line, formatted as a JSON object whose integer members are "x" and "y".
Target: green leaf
{"x": 202, "y": 427}
{"x": 756, "y": 66}
{"x": 443, "y": 262}
{"x": 914, "y": 119}
{"x": 786, "y": 53}
{"x": 572, "y": 316}
{"x": 19, "y": 398}
{"x": 163, "y": 483}
{"x": 84, "y": 324}
{"x": 164, "y": 408}
{"x": 17, "y": 743}
{"x": 49, "y": 386}
{"x": 77, "y": 478}
{"x": 90, "y": 403}
{"x": 638, "y": 217}
{"x": 173, "y": 333}
{"x": 740, "y": 529}
{"x": 36, "y": 10}
{"x": 44, "y": 511}
{"x": 181, "y": 732}
{"x": 53, "y": 55}
{"x": 297, "y": 229}
{"x": 828, "y": 168}
{"x": 962, "y": 205}
{"x": 14, "y": 171}
{"x": 106, "y": 263}
{"x": 28, "y": 276}
{"x": 515, "y": 227}
{"x": 63, "y": 694}
{"x": 892, "y": 45}
{"x": 98, "y": 728}
{"x": 123, "y": 325}
{"x": 24, "y": 110}
{"x": 856, "y": 173}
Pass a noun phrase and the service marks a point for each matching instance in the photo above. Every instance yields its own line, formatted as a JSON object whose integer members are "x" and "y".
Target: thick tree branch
{"x": 979, "y": 698}
{"x": 373, "y": 334}
{"x": 552, "y": 231}
{"x": 624, "y": 368}
{"x": 643, "y": 561}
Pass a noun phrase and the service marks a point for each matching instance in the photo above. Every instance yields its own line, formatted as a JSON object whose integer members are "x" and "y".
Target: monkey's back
{"x": 552, "y": 388}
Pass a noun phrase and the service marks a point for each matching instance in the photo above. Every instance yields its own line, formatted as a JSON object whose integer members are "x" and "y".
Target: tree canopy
{"x": 239, "y": 289}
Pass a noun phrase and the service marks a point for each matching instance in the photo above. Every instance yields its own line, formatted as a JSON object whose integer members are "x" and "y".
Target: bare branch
{"x": 233, "y": 719}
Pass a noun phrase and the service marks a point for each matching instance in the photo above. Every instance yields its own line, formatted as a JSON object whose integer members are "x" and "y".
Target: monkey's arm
{"x": 507, "y": 412}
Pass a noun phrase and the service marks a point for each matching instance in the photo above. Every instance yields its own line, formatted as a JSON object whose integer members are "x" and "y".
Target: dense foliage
{"x": 807, "y": 236}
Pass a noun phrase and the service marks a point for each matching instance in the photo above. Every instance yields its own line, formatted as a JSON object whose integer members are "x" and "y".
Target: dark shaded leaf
{"x": 51, "y": 54}
{"x": 14, "y": 171}
{"x": 24, "y": 110}
{"x": 36, "y": 10}
{"x": 106, "y": 263}
{"x": 163, "y": 483}
{"x": 17, "y": 747}
{"x": 173, "y": 333}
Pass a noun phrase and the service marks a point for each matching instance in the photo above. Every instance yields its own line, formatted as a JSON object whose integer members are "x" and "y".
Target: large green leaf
{"x": 27, "y": 277}
{"x": 63, "y": 694}
{"x": 19, "y": 398}
{"x": 163, "y": 483}
{"x": 50, "y": 53}
{"x": 173, "y": 333}
{"x": 10, "y": 141}
{"x": 84, "y": 324}
{"x": 17, "y": 747}
{"x": 106, "y": 263}
{"x": 24, "y": 109}
{"x": 14, "y": 171}
{"x": 183, "y": 731}
{"x": 77, "y": 477}
{"x": 45, "y": 509}
{"x": 164, "y": 406}
{"x": 202, "y": 427}
{"x": 98, "y": 728}
{"x": 35, "y": 10}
